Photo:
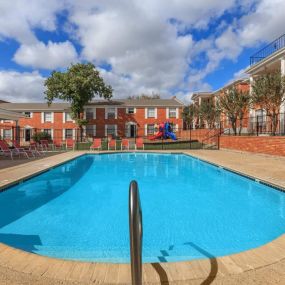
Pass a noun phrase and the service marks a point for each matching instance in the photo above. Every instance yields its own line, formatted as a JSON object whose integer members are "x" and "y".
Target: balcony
{"x": 268, "y": 50}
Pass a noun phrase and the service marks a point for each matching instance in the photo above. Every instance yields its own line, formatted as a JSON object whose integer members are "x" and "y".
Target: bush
{"x": 41, "y": 136}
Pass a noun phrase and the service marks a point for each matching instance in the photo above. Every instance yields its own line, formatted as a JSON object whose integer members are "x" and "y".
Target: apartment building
{"x": 119, "y": 118}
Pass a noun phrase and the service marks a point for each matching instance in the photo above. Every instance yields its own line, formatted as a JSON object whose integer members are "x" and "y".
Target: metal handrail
{"x": 136, "y": 232}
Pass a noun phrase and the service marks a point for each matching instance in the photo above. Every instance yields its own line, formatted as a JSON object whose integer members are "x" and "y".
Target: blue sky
{"x": 170, "y": 48}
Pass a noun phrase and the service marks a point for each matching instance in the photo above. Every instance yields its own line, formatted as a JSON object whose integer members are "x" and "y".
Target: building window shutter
{"x": 106, "y": 115}
{"x": 177, "y": 113}
{"x": 116, "y": 130}
{"x": 51, "y": 133}
{"x": 155, "y": 113}
{"x": 42, "y": 117}
{"x": 106, "y": 127}
{"x": 31, "y": 114}
{"x": 52, "y": 117}
{"x": 63, "y": 117}
{"x": 73, "y": 134}
{"x": 145, "y": 130}
{"x": 116, "y": 113}
{"x": 94, "y": 130}
{"x": 167, "y": 113}
{"x": 94, "y": 113}
{"x": 63, "y": 134}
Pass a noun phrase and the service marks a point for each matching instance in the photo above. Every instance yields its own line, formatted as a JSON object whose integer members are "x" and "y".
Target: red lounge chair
{"x": 10, "y": 152}
{"x": 97, "y": 144}
{"x": 139, "y": 143}
{"x": 44, "y": 145}
{"x": 112, "y": 144}
{"x": 57, "y": 144}
{"x": 34, "y": 147}
{"x": 18, "y": 148}
{"x": 125, "y": 144}
{"x": 69, "y": 143}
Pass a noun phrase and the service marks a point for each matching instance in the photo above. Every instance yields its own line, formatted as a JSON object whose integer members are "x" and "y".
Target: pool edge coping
{"x": 237, "y": 263}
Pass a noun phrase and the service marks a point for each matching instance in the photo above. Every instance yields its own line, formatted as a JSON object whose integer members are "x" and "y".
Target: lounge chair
{"x": 69, "y": 144}
{"x": 125, "y": 144}
{"x": 10, "y": 152}
{"x": 112, "y": 144}
{"x": 34, "y": 147}
{"x": 57, "y": 144}
{"x": 97, "y": 144}
{"x": 19, "y": 148}
{"x": 44, "y": 145}
{"x": 139, "y": 143}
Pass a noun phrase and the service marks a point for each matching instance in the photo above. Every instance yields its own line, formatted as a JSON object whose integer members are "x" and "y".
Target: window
{"x": 89, "y": 114}
{"x": 151, "y": 112}
{"x": 68, "y": 117}
{"x": 130, "y": 110}
{"x": 111, "y": 130}
{"x": 111, "y": 113}
{"x": 68, "y": 133}
{"x": 150, "y": 129}
{"x": 172, "y": 113}
{"x": 47, "y": 131}
{"x": 28, "y": 114}
{"x": 91, "y": 130}
{"x": 47, "y": 117}
{"x": 7, "y": 134}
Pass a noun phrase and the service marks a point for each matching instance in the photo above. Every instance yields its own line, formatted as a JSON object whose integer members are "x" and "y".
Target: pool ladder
{"x": 136, "y": 232}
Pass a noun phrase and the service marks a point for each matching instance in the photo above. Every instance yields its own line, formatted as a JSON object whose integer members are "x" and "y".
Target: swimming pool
{"x": 191, "y": 209}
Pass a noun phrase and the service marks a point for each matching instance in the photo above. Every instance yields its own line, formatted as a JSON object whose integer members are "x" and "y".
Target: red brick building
{"x": 120, "y": 118}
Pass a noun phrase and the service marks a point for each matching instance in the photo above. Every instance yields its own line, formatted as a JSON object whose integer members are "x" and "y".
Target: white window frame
{"x": 31, "y": 114}
{"x": 172, "y": 110}
{"x": 147, "y": 113}
{"x": 7, "y": 137}
{"x": 93, "y": 130}
{"x": 93, "y": 112}
{"x": 43, "y": 117}
{"x": 128, "y": 110}
{"x": 107, "y": 112}
{"x": 64, "y": 117}
{"x": 115, "y": 127}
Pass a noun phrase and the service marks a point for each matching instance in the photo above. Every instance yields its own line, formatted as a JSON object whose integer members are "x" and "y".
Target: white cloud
{"x": 21, "y": 87}
{"x": 20, "y": 17}
{"x": 50, "y": 56}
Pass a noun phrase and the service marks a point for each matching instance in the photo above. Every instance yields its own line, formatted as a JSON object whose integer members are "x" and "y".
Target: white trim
{"x": 282, "y": 62}
{"x": 106, "y": 113}
{"x": 116, "y": 130}
{"x": 42, "y": 117}
{"x": 94, "y": 113}
{"x": 63, "y": 134}
{"x": 52, "y": 117}
{"x": 145, "y": 113}
{"x": 116, "y": 113}
{"x": 63, "y": 117}
{"x": 94, "y": 130}
{"x": 51, "y": 133}
{"x": 177, "y": 113}
{"x": 145, "y": 129}
{"x": 73, "y": 134}
{"x": 167, "y": 113}
{"x": 106, "y": 127}
{"x": 155, "y": 113}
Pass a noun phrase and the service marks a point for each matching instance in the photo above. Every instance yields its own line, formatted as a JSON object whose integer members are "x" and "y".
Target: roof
{"x": 197, "y": 95}
{"x": 10, "y": 115}
{"x": 233, "y": 83}
{"x": 120, "y": 102}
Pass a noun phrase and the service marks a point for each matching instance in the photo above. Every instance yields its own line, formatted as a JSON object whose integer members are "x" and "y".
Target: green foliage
{"x": 268, "y": 92}
{"x": 189, "y": 114}
{"x": 144, "y": 97}
{"x": 234, "y": 104}
{"x": 209, "y": 112}
{"x": 41, "y": 136}
{"x": 78, "y": 86}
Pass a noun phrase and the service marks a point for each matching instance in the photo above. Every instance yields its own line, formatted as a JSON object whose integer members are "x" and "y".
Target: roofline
{"x": 231, "y": 83}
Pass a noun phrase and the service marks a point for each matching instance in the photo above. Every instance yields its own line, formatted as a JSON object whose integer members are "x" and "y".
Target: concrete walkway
{"x": 263, "y": 265}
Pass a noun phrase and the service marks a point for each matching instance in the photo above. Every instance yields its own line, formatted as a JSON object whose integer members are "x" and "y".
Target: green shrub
{"x": 41, "y": 136}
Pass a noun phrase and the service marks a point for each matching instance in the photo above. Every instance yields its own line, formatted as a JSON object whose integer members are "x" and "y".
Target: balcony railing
{"x": 268, "y": 50}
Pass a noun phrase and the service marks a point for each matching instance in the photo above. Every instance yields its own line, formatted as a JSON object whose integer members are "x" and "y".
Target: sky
{"x": 171, "y": 48}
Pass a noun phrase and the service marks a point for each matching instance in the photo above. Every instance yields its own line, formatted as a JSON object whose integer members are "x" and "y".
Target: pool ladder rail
{"x": 136, "y": 233}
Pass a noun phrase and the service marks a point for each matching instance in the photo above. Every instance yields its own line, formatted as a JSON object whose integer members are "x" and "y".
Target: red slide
{"x": 157, "y": 136}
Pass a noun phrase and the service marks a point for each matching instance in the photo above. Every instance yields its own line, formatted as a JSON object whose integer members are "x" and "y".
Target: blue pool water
{"x": 191, "y": 209}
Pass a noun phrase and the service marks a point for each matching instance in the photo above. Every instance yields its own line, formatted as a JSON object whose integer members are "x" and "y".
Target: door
{"x": 133, "y": 131}
{"x": 27, "y": 135}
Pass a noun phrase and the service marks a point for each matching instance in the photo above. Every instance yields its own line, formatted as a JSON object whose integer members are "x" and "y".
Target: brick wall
{"x": 267, "y": 144}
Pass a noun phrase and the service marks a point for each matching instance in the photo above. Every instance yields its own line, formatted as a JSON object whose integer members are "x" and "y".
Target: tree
{"x": 78, "y": 85}
{"x": 234, "y": 104}
{"x": 208, "y": 112}
{"x": 189, "y": 114}
{"x": 144, "y": 97}
{"x": 268, "y": 92}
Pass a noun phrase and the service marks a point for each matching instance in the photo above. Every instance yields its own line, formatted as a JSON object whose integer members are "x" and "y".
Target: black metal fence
{"x": 152, "y": 137}
{"x": 268, "y": 50}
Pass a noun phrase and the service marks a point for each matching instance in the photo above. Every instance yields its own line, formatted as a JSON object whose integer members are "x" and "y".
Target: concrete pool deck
{"x": 263, "y": 265}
